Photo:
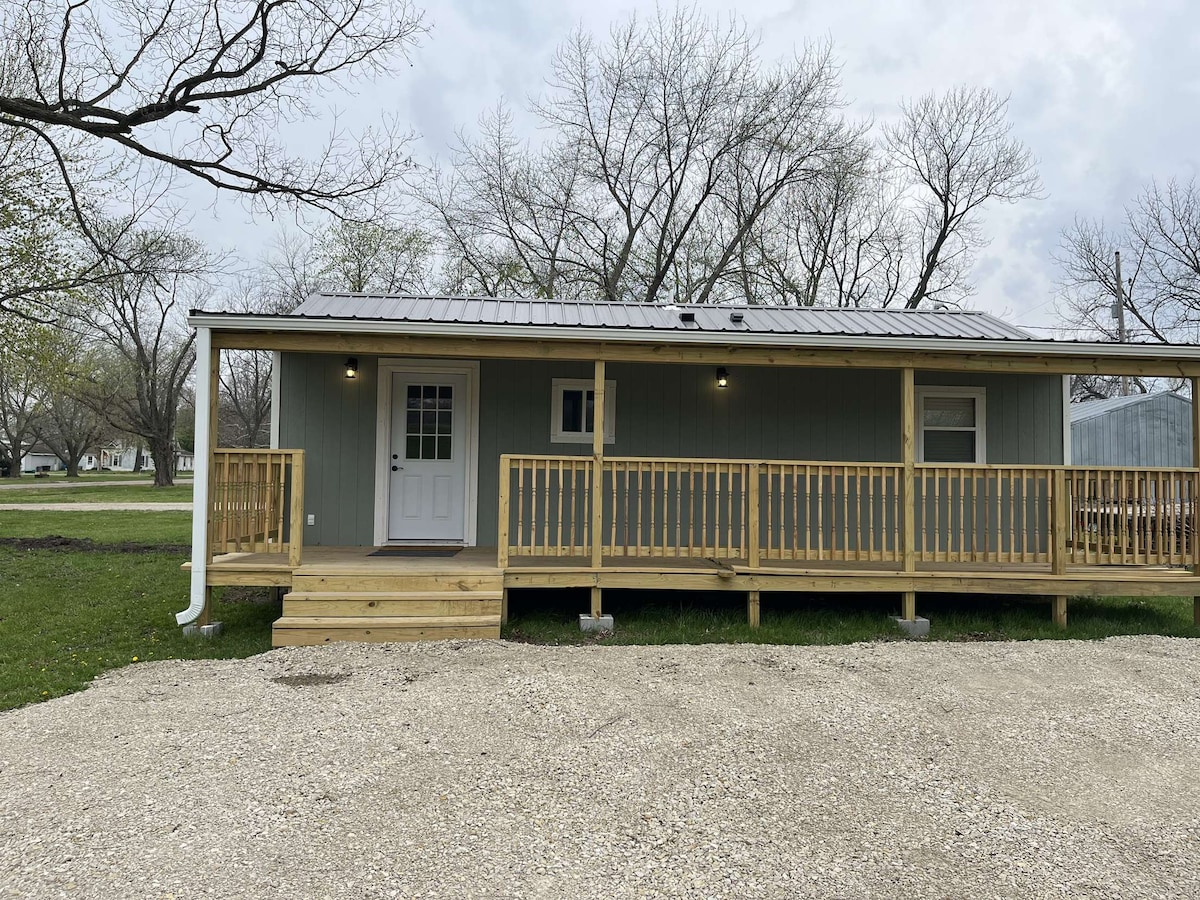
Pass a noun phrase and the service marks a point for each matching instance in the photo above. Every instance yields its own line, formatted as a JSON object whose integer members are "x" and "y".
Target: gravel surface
{"x": 490, "y": 769}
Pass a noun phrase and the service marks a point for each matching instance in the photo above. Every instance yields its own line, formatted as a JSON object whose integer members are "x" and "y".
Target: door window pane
{"x": 429, "y": 421}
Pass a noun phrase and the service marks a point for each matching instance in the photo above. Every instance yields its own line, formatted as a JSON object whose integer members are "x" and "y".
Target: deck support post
{"x": 596, "y": 622}
{"x": 752, "y": 607}
{"x": 908, "y": 456}
{"x": 1059, "y": 610}
{"x": 909, "y": 606}
{"x": 504, "y": 606}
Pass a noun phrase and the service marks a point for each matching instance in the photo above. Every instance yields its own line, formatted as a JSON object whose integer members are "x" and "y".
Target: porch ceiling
{"x": 826, "y": 351}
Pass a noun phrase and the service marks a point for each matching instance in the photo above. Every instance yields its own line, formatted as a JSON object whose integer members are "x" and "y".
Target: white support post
{"x": 203, "y": 456}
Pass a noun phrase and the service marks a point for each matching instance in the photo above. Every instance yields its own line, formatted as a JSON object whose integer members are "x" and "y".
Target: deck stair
{"x": 342, "y": 606}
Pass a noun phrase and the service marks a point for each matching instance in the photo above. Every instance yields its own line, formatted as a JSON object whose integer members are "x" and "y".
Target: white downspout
{"x": 200, "y": 480}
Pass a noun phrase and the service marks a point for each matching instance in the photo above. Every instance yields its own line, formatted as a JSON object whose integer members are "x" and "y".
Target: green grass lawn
{"x": 652, "y": 617}
{"x": 66, "y": 615}
{"x": 99, "y": 493}
{"x": 84, "y": 477}
{"x": 165, "y": 527}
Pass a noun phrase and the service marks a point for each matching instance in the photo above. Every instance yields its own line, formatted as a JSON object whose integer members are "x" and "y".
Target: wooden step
{"x": 378, "y": 603}
{"x": 295, "y": 631}
{"x": 323, "y": 583}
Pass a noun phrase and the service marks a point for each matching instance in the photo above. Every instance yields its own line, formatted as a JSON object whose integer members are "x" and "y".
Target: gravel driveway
{"x": 490, "y": 769}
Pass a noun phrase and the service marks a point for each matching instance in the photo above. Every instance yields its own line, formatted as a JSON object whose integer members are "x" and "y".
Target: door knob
{"x": 395, "y": 468}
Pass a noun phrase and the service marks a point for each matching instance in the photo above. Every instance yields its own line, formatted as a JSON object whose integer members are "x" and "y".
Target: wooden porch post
{"x": 1060, "y": 513}
{"x": 597, "y": 479}
{"x": 908, "y": 455}
{"x": 1195, "y": 522}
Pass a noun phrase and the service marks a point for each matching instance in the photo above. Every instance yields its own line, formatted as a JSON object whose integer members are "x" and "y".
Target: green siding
{"x": 332, "y": 418}
{"x": 661, "y": 410}
{"x": 1024, "y": 415}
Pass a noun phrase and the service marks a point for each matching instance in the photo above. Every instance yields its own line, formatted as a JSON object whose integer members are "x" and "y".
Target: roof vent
{"x": 687, "y": 317}
{"x": 737, "y": 318}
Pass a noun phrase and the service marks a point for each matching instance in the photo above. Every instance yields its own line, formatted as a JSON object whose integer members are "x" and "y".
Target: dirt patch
{"x": 87, "y": 545}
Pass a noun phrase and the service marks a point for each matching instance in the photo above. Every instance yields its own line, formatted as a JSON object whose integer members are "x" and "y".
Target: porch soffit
{"x": 1037, "y": 357}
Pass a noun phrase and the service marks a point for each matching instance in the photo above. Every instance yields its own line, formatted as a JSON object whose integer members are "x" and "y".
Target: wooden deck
{"x": 345, "y": 593}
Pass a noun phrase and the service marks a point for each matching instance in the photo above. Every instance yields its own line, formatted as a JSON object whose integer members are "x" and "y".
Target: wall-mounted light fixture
{"x": 722, "y": 378}
{"x": 352, "y": 367}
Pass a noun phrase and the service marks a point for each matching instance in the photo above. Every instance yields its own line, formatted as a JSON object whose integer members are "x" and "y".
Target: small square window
{"x": 950, "y": 424}
{"x": 573, "y": 411}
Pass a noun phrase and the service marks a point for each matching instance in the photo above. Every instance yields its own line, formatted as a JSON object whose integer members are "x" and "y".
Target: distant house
{"x": 121, "y": 458}
{"x": 41, "y": 459}
{"x": 1141, "y": 430}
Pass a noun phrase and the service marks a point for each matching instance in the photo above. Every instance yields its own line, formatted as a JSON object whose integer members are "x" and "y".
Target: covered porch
{"x": 598, "y": 519}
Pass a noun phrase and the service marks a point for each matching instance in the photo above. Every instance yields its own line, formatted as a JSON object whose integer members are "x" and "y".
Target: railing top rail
{"x": 1050, "y": 467}
{"x": 699, "y": 460}
{"x": 259, "y": 451}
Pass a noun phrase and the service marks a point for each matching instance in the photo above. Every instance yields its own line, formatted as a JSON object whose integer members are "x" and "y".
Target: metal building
{"x": 1141, "y": 430}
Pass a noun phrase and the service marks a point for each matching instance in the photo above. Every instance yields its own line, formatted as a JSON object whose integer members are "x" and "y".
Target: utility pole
{"x": 1118, "y": 312}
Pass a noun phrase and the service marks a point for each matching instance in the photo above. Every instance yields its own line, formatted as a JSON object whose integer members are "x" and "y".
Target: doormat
{"x": 416, "y": 551}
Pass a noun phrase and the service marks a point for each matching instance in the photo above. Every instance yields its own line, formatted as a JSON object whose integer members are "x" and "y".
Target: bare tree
{"x": 21, "y": 393}
{"x": 140, "y": 317}
{"x": 958, "y": 153}
{"x": 245, "y": 398}
{"x": 388, "y": 258}
{"x": 1159, "y": 242}
{"x": 201, "y": 87}
{"x": 667, "y": 145}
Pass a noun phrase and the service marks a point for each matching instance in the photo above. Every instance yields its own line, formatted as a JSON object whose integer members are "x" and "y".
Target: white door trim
{"x": 388, "y": 366}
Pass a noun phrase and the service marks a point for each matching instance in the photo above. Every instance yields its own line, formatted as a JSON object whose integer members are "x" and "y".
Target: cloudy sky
{"x": 1106, "y": 94}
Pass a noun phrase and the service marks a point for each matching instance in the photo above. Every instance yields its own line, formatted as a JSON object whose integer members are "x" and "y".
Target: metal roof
{"x": 509, "y": 311}
{"x": 1089, "y": 409}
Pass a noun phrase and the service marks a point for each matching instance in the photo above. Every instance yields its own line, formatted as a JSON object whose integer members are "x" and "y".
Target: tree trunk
{"x": 137, "y": 458}
{"x": 163, "y": 454}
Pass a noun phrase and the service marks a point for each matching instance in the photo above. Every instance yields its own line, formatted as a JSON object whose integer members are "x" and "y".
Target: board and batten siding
{"x": 661, "y": 410}
{"x": 332, "y": 418}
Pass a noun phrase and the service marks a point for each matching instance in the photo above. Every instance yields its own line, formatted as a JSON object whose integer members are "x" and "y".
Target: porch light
{"x": 722, "y": 378}
{"x": 352, "y": 367}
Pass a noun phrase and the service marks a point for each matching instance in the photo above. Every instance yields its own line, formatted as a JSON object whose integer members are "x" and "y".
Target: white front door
{"x": 427, "y": 460}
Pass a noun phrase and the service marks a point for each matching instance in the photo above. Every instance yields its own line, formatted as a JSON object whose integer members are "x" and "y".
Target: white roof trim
{"x": 1160, "y": 352}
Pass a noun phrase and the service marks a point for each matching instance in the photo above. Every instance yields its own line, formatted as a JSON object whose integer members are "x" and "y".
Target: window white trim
{"x": 557, "y": 435}
{"x": 980, "y": 396}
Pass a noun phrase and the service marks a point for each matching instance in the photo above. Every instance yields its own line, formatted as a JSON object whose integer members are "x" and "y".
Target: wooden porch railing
{"x": 256, "y": 502}
{"x": 1139, "y": 517}
{"x": 835, "y": 511}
